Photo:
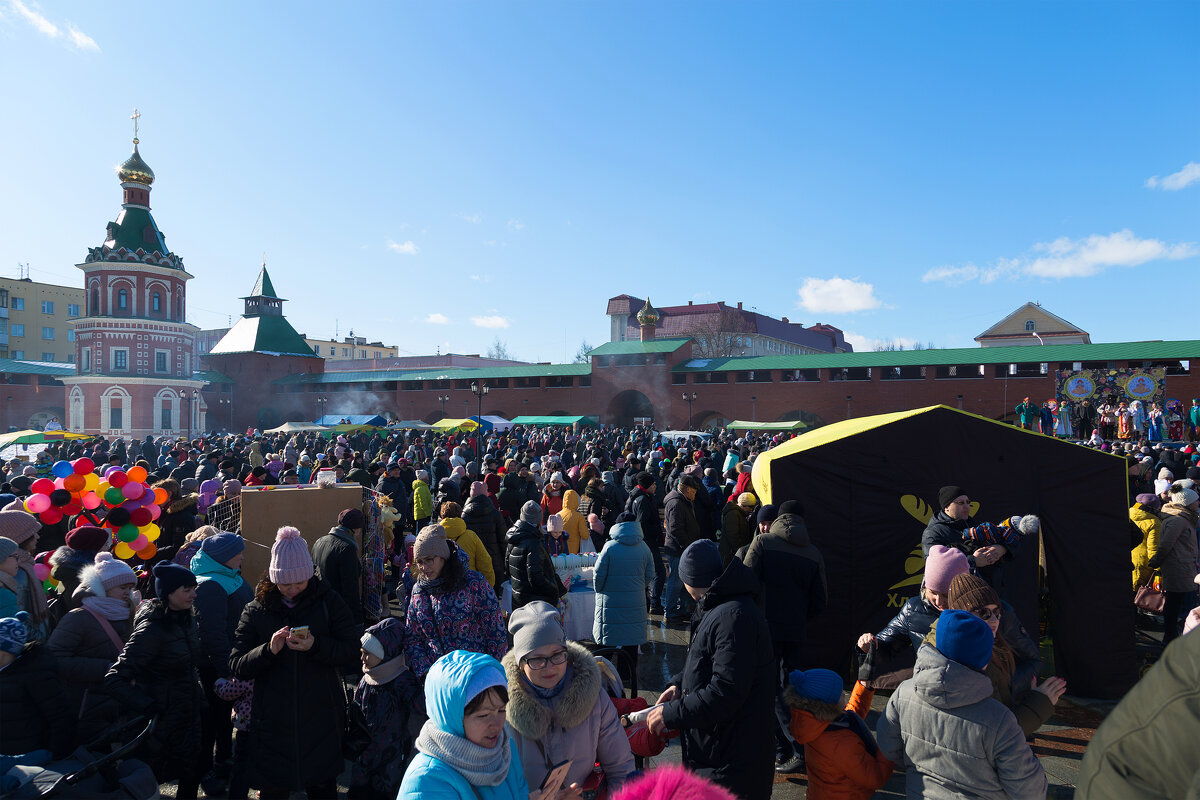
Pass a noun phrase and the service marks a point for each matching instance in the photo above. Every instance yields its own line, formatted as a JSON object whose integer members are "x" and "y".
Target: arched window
{"x": 156, "y": 302}
{"x": 178, "y": 309}
{"x": 94, "y": 301}
{"x": 1030, "y": 325}
{"x": 122, "y": 300}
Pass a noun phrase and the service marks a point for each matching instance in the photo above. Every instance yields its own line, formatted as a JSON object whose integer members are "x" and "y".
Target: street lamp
{"x": 479, "y": 392}
{"x": 195, "y": 404}
{"x": 690, "y": 398}
{"x": 444, "y": 398}
{"x": 321, "y": 401}
{"x": 227, "y": 401}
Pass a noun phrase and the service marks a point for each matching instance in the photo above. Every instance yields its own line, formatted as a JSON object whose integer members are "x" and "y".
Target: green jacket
{"x": 422, "y": 501}
{"x": 1147, "y": 746}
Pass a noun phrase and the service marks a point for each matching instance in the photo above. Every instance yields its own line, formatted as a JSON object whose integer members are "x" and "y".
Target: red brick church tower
{"x": 133, "y": 346}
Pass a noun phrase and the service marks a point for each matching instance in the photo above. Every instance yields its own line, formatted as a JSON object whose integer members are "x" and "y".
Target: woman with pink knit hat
{"x": 294, "y": 640}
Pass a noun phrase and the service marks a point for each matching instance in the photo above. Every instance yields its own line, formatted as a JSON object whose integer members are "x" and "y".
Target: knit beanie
{"x": 231, "y": 488}
{"x": 965, "y": 638}
{"x": 20, "y": 526}
{"x": 942, "y": 565}
{"x": 14, "y": 631}
{"x": 1181, "y": 495}
{"x": 535, "y": 625}
{"x": 290, "y": 560}
{"x": 7, "y": 547}
{"x": 372, "y": 645}
{"x": 1161, "y": 486}
{"x": 969, "y": 592}
{"x": 701, "y": 564}
{"x": 423, "y": 475}
{"x": 747, "y": 500}
{"x": 168, "y": 577}
{"x": 766, "y": 513}
{"x": 554, "y": 524}
{"x": 106, "y": 573}
{"x": 223, "y": 546}
{"x": 478, "y": 489}
{"x": 594, "y": 524}
{"x": 15, "y": 504}
{"x": 431, "y": 541}
{"x": 352, "y": 519}
{"x": 557, "y": 477}
{"x": 531, "y": 512}
{"x": 823, "y": 685}
{"x": 1149, "y": 501}
{"x": 792, "y": 507}
{"x": 88, "y": 538}
{"x": 946, "y": 495}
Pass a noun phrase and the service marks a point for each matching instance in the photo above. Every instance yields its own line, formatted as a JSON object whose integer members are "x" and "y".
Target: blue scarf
{"x": 548, "y": 694}
{"x": 207, "y": 568}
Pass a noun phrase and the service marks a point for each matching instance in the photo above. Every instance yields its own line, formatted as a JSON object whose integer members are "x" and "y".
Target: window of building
{"x": 3, "y": 298}
{"x": 122, "y": 299}
{"x": 114, "y": 416}
{"x": 3, "y": 324}
{"x": 48, "y": 334}
{"x": 160, "y": 360}
{"x": 317, "y": 349}
{"x": 47, "y": 356}
{"x": 70, "y": 358}
{"x": 72, "y": 310}
{"x": 87, "y": 359}
{"x": 47, "y": 306}
{"x": 345, "y": 352}
{"x": 120, "y": 360}
{"x": 18, "y": 330}
{"x": 1030, "y": 325}
{"x": 71, "y": 335}
{"x": 18, "y": 354}
{"x": 377, "y": 354}
{"x": 156, "y": 302}
{"x": 18, "y": 304}
{"x": 166, "y": 417}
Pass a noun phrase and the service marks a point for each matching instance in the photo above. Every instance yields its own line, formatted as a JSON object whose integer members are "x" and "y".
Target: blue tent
{"x": 352, "y": 419}
{"x": 490, "y": 422}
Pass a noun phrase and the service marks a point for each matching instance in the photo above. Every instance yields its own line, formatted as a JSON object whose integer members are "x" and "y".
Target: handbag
{"x": 356, "y": 735}
{"x": 1150, "y": 599}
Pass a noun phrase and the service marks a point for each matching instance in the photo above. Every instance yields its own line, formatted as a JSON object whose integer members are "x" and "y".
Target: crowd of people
{"x": 468, "y": 685}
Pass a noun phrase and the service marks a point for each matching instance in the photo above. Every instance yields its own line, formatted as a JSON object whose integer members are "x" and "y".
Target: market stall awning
{"x": 297, "y": 427}
{"x": 408, "y": 424}
{"x": 351, "y": 419}
{"x": 491, "y": 422}
{"x": 677, "y": 435}
{"x": 447, "y": 425}
{"x": 39, "y": 437}
{"x": 336, "y": 429}
{"x": 576, "y": 420}
{"x": 743, "y": 425}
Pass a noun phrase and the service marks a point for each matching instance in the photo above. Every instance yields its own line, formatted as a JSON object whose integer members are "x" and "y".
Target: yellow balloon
{"x": 102, "y": 487}
{"x": 91, "y": 481}
{"x": 151, "y": 535}
{"x": 122, "y": 550}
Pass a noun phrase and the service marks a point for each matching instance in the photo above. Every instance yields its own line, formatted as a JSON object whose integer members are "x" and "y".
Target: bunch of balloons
{"x": 132, "y": 505}
{"x": 41, "y": 570}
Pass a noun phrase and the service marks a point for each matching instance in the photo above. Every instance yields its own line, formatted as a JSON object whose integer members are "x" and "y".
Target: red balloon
{"x": 71, "y": 509}
{"x": 118, "y": 478}
{"x": 140, "y": 517}
{"x": 43, "y": 486}
{"x": 50, "y": 515}
{"x": 83, "y": 465}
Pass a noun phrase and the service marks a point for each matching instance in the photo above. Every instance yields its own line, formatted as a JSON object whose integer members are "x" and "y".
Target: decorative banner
{"x": 1112, "y": 385}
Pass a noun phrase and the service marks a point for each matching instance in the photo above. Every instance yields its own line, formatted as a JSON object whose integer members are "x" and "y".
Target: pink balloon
{"x": 37, "y": 503}
{"x": 58, "y": 483}
{"x": 139, "y": 543}
{"x": 155, "y": 510}
{"x": 41, "y": 572}
{"x": 91, "y": 501}
{"x": 133, "y": 490}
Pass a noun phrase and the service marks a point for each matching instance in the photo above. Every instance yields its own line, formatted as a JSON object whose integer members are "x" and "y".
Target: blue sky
{"x": 442, "y": 174}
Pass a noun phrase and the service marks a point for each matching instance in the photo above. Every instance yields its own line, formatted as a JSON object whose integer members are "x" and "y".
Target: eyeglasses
{"x": 541, "y": 662}
{"x": 986, "y": 614}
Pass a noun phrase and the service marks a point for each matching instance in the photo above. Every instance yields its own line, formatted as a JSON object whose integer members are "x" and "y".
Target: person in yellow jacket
{"x": 478, "y": 557}
{"x": 1144, "y": 514}
{"x": 574, "y": 524}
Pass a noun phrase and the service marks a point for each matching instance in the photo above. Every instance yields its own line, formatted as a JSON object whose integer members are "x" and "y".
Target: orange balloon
{"x": 137, "y": 474}
{"x": 74, "y": 483}
{"x": 160, "y": 496}
{"x": 147, "y": 552}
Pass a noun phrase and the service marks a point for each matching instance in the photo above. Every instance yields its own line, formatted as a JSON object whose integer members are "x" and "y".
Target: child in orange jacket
{"x": 843, "y": 760}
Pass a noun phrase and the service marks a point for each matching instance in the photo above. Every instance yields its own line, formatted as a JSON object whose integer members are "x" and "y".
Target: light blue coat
{"x": 445, "y": 699}
{"x": 624, "y": 571}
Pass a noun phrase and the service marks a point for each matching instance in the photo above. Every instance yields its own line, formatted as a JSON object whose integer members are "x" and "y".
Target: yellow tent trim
{"x": 454, "y": 425}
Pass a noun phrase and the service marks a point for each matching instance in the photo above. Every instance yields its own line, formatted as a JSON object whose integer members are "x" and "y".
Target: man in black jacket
{"x": 644, "y": 507}
{"x": 529, "y": 566}
{"x": 336, "y": 555}
{"x": 721, "y": 701}
{"x": 680, "y": 530}
{"x": 792, "y": 573}
{"x": 946, "y": 528}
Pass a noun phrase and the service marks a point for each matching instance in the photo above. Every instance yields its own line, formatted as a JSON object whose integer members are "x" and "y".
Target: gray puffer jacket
{"x": 954, "y": 739}
{"x": 1176, "y": 556}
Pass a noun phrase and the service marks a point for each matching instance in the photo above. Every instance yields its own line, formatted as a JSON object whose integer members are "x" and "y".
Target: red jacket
{"x": 839, "y": 765}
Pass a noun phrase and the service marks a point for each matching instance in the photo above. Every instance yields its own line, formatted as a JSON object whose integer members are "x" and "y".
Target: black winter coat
{"x": 340, "y": 566}
{"x": 395, "y": 489}
{"x": 679, "y": 522}
{"x": 156, "y": 674}
{"x": 792, "y": 573}
{"x": 482, "y": 517}
{"x": 644, "y": 507}
{"x": 726, "y": 707}
{"x": 949, "y": 533}
{"x": 298, "y": 710}
{"x": 217, "y": 615}
{"x": 34, "y": 711}
{"x": 177, "y": 522}
{"x": 530, "y": 568}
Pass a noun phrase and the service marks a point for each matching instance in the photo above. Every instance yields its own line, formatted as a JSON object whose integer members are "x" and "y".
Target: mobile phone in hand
{"x": 554, "y": 779}
{"x": 300, "y": 632}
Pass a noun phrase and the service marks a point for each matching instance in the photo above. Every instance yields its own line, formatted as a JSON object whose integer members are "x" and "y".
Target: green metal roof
{"x": 569, "y": 420}
{"x": 267, "y": 334}
{"x": 442, "y": 374}
{"x": 632, "y": 347}
{"x": 135, "y": 228}
{"x": 1111, "y": 351}
{"x": 15, "y": 367}
{"x": 263, "y": 287}
{"x": 211, "y": 376}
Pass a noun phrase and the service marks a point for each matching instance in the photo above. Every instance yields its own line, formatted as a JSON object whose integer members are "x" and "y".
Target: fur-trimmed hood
{"x": 184, "y": 502}
{"x": 530, "y": 717}
{"x": 825, "y": 712}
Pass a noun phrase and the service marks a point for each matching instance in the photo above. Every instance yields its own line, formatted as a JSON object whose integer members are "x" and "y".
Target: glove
{"x": 866, "y": 671}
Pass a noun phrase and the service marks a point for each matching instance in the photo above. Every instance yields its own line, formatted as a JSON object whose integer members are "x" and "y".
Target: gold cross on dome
{"x": 135, "y": 117}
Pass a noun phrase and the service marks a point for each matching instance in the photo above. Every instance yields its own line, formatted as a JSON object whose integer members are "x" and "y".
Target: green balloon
{"x": 114, "y": 496}
{"x": 127, "y": 533}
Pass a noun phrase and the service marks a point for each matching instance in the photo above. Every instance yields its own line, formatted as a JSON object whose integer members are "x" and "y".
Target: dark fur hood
{"x": 530, "y": 717}
{"x": 184, "y": 502}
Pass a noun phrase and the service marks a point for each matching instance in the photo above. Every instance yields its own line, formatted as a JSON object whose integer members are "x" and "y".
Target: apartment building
{"x": 37, "y": 320}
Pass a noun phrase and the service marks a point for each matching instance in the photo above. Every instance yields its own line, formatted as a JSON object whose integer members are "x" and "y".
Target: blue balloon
{"x": 62, "y": 469}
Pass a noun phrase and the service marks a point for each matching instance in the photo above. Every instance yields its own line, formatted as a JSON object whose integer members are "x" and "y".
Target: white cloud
{"x": 407, "y": 249}
{"x": 864, "y": 344}
{"x": 1069, "y": 258}
{"x": 489, "y": 322}
{"x": 82, "y": 40}
{"x": 473, "y": 219}
{"x": 437, "y": 319}
{"x": 482, "y": 278}
{"x": 515, "y": 225}
{"x": 837, "y": 296}
{"x": 39, "y": 22}
{"x": 1176, "y": 180}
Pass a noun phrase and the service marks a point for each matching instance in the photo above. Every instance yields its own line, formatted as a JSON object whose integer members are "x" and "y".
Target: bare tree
{"x": 893, "y": 344}
{"x": 499, "y": 350}
{"x": 581, "y": 357}
{"x": 719, "y": 335}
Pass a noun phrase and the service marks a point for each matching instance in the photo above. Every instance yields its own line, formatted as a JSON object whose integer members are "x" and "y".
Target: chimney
{"x": 739, "y": 305}
{"x": 689, "y": 302}
{"x": 785, "y": 321}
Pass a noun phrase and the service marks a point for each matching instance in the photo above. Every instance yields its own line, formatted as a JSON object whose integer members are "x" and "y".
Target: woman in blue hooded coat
{"x": 624, "y": 574}
{"x": 463, "y": 750}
